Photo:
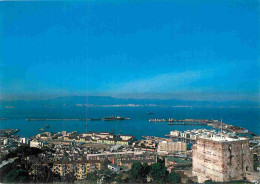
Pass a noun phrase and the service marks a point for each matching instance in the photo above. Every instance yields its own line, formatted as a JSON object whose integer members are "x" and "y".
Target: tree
{"x": 105, "y": 164}
{"x": 159, "y": 172}
{"x": 92, "y": 177}
{"x": 16, "y": 176}
{"x": 146, "y": 169}
{"x": 139, "y": 172}
{"x": 70, "y": 177}
{"x": 136, "y": 171}
{"x": 123, "y": 177}
{"x": 174, "y": 177}
{"x": 107, "y": 176}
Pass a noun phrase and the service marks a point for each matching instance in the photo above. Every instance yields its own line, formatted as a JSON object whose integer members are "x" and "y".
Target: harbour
{"x": 139, "y": 120}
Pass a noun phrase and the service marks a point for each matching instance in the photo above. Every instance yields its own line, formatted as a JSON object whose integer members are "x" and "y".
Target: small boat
{"x": 41, "y": 129}
{"x": 148, "y": 113}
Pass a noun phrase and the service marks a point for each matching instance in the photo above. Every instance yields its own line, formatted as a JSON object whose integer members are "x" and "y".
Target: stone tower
{"x": 221, "y": 159}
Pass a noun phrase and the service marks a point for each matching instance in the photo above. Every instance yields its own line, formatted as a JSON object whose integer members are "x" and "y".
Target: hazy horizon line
{"x": 123, "y": 97}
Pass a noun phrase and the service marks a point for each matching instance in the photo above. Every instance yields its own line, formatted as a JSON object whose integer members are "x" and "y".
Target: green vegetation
{"x": 157, "y": 172}
{"x": 17, "y": 175}
{"x": 104, "y": 175}
{"x": 22, "y": 151}
{"x": 228, "y": 182}
{"x": 69, "y": 178}
{"x": 24, "y": 170}
{"x": 174, "y": 177}
{"x": 139, "y": 173}
{"x": 256, "y": 162}
{"x": 18, "y": 171}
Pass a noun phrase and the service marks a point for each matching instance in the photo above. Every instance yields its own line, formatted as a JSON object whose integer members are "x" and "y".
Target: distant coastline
{"x": 106, "y": 101}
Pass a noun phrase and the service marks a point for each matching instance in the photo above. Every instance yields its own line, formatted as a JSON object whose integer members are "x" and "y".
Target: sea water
{"x": 138, "y": 125}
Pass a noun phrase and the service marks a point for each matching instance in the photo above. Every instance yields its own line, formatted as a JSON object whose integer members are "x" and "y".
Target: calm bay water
{"x": 138, "y": 125}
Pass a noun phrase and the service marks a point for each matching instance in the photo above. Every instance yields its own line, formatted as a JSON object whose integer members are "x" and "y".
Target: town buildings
{"x": 36, "y": 144}
{"x": 218, "y": 157}
{"x": 172, "y": 147}
{"x": 80, "y": 169}
{"x": 88, "y": 137}
{"x": 127, "y": 160}
{"x": 147, "y": 145}
{"x": 192, "y": 134}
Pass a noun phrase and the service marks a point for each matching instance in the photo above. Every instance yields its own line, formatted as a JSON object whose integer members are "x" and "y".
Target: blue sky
{"x": 196, "y": 50}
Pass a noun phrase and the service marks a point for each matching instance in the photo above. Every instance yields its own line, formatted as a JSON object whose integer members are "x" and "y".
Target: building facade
{"x": 80, "y": 169}
{"x": 173, "y": 147}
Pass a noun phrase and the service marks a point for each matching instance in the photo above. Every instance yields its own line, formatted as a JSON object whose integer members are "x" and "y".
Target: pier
{"x": 111, "y": 118}
{"x": 56, "y": 119}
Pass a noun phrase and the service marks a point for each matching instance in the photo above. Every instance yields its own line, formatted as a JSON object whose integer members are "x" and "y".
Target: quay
{"x": 8, "y": 132}
{"x": 204, "y": 121}
{"x": 186, "y": 123}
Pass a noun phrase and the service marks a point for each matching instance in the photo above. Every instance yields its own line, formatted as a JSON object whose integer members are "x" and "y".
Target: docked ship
{"x": 95, "y": 119}
{"x": 113, "y": 118}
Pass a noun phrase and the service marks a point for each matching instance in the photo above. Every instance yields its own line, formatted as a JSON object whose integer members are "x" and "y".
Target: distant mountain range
{"x": 106, "y": 100}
